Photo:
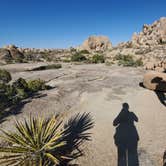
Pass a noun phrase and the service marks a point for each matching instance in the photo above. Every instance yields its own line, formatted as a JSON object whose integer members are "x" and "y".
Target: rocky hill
{"x": 12, "y": 54}
{"x": 149, "y": 46}
{"x": 151, "y": 35}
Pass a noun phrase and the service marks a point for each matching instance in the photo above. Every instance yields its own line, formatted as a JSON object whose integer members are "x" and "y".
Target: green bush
{"x": 77, "y": 57}
{"x": 128, "y": 60}
{"x": 20, "y": 84}
{"x": 12, "y": 94}
{"x": 22, "y": 94}
{"x": 36, "y": 85}
{"x": 73, "y": 49}
{"x": 5, "y": 76}
{"x": 7, "y": 96}
{"x": 139, "y": 62}
{"x": 84, "y": 52}
{"x": 21, "y": 88}
{"x": 66, "y": 60}
{"x": 46, "y": 56}
{"x": 98, "y": 58}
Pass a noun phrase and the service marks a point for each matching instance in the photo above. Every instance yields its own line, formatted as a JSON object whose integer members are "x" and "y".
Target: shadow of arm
{"x": 116, "y": 121}
{"x": 135, "y": 118}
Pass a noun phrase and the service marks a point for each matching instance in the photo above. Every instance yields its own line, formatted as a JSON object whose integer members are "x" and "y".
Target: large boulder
{"x": 155, "y": 81}
{"x": 5, "y": 55}
{"x": 97, "y": 43}
{"x": 15, "y": 53}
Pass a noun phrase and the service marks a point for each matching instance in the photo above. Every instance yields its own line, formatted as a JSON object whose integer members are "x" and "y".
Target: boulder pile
{"x": 151, "y": 35}
{"x": 96, "y": 43}
{"x": 155, "y": 81}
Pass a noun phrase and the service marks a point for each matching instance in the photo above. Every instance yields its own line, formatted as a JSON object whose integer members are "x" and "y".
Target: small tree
{"x": 5, "y": 76}
{"x": 98, "y": 58}
{"x": 78, "y": 57}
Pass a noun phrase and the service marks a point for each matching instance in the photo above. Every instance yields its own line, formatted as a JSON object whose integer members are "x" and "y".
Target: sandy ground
{"x": 101, "y": 90}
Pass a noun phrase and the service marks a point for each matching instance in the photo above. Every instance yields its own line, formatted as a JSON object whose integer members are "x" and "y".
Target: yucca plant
{"x": 44, "y": 142}
{"x": 34, "y": 143}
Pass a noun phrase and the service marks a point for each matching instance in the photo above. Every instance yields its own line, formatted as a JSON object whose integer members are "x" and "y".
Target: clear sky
{"x": 65, "y": 23}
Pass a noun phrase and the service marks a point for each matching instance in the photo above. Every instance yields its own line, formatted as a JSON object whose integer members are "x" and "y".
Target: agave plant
{"x": 41, "y": 142}
{"x": 34, "y": 143}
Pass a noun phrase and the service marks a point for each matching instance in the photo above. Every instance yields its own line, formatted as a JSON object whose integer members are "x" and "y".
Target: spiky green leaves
{"x": 44, "y": 142}
{"x": 34, "y": 142}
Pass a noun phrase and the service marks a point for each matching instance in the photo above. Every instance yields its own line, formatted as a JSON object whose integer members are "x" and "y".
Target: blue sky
{"x": 65, "y": 23}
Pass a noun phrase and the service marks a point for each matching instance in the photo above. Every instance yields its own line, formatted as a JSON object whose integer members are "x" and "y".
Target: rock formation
{"x": 5, "y": 55}
{"x": 151, "y": 35}
{"x": 155, "y": 81}
{"x": 96, "y": 43}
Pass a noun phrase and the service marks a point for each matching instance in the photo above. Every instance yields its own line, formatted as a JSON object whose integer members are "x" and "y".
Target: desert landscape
{"x": 97, "y": 78}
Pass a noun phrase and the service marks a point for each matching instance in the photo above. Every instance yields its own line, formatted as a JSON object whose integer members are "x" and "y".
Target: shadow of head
{"x": 125, "y": 106}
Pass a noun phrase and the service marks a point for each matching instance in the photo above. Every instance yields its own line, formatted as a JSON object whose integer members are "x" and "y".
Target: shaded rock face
{"x": 151, "y": 35}
{"x": 16, "y": 54}
{"x": 5, "y": 55}
{"x": 13, "y": 52}
{"x": 96, "y": 43}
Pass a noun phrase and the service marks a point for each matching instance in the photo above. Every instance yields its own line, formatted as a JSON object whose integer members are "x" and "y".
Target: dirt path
{"x": 101, "y": 90}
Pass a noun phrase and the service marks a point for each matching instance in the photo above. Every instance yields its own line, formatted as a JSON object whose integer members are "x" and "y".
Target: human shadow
{"x": 164, "y": 159}
{"x": 160, "y": 88}
{"x": 126, "y": 137}
{"x": 75, "y": 134}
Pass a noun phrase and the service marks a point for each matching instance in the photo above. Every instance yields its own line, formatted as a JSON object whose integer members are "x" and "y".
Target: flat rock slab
{"x": 100, "y": 90}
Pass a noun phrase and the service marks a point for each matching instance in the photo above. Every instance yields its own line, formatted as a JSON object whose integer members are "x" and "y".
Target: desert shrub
{"x": 138, "y": 62}
{"x": 8, "y": 96}
{"x": 5, "y": 76}
{"x": 38, "y": 141}
{"x": 19, "y": 60}
{"x": 128, "y": 60}
{"x": 46, "y": 56}
{"x": 21, "y": 87}
{"x": 109, "y": 63}
{"x": 20, "y": 84}
{"x": 22, "y": 94}
{"x": 66, "y": 60}
{"x": 36, "y": 85}
{"x": 98, "y": 58}
{"x": 12, "y": 94}
{"x": 47, "y": 67}
{"x": 84, "y": 52}
{"x": 73, "y": 49}
{"x": 77, "y": 57}
{"x": 54, "y": 66}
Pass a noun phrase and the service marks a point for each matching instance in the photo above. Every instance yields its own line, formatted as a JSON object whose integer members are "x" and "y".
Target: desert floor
{"x": 100, "y": 90}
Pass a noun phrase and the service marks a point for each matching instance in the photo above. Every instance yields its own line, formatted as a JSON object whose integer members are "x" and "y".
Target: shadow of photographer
{"x": 126, "y": 137}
